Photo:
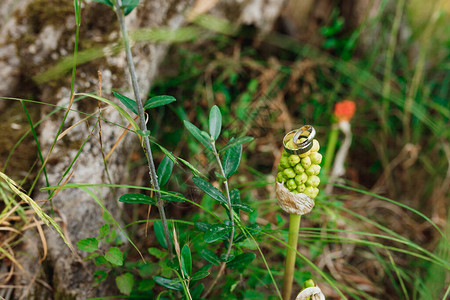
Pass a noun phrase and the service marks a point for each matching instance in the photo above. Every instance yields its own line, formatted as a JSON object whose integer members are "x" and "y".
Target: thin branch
{"x": 143, "y": 125}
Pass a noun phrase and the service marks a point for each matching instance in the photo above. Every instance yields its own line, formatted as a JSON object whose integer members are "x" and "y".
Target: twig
{"x": 140, "y": 107}
{"x": 230, "y": 208}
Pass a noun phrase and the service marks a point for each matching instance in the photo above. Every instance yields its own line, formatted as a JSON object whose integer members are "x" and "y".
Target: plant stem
{"x": 291, "y": 254}
{"x": 143, "y": 125}
{"x": 230, "y": 209}
{"x": 331, "y": 147}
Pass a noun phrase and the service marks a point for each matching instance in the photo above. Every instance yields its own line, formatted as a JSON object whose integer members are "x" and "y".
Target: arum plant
{"x": 122, "y": 8}
{"x": 296, "y": 187}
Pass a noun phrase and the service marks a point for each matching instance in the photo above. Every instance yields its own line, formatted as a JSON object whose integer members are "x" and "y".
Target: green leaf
{"x": 199, "y": 275}
{"x": 235, "y": 196}
{"x": 174, "y": 197}
{"x": 203, "y": 227}
{"x": 99, "y": 276}
{"x": 241, "y": 261}
{"x": 195, "y": 172}
{"x": 104, "y": 230}
{"x": 146, "y": 285}
{"x": 144, "y": 133}
{"x": 129, "y": 103}
{"x": 232, "y": 159}
{"x": 88, "y": 245}
{"x": 157, "y": 253}
{"x": 158, "y": 101}
{"x": 239, "y": 141}
{"x": 91, "y": 256}
{"x": 159, "y": 233}
{"x": 164, "y": 170}
{"x": 186, "y": 260}
{"x": 215, "y": 122}
{"x": 129, "y": 5}
{"x": 168, "y": 283}
{"x": 197, "y": 133}
{"x": 125, "y": 283}
{"x": 209, "y": 189}
{"x": 114, "y": 256}
{"x": 210, "y": 256}
{"x": 137, "y": 198}
{"x": 242, "y": 206}
{"x": 216, "y": 232}
{"x": 197, "y": 291}
{"x": 107, "y": 2}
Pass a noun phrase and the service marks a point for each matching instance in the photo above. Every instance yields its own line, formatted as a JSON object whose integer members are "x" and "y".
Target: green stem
{"x": 331, "y": 147}
{"x": 230, "y": 209}
{"x": 294, "y": 226}
{"x": 143, "y": 125}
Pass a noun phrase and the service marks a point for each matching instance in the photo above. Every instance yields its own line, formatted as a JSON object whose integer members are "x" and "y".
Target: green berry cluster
{"x": 299, "y": 173}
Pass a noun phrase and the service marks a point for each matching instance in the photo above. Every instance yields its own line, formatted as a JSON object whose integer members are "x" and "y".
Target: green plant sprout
{"x": 297, "y": 183}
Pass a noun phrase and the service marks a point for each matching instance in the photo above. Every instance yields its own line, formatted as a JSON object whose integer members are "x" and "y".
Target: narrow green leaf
{"x": 125, "y": 283}
{"x": 232, "y": 159}
{"x": 107, "y": 2}
{"x": 159, "y": 233}
{"x": 174, "y": 197}
{"x": 199, "y": 275}
{"x": 157, "y": 253}
{"x": 241, "y": 261}
{"x": 197, "y": 133}
{"x": 158, "y": 101}
{"x": 114, "y": 256}
{"x": 129, "y": 103}
{"x": 215, "y": 122}
{"x": 168, "y": 283}
{"x": 137, "y": 198}
{"x": 197, "y": 291}
{"x": 164, "y": 170}
{"x": 242, "y": 206}
{"x": 195, "y": 172}
{"x": 210, "y": 256}
{"x": 216, "y": 232}
{"x": 203, "y": 227}
{"x": 239, "y": 141}
{"x": 235, "y": 196}
{"x": 88, "y": 245}
{"x": 186, "y": 260}
{"x": 129, "y": 5}
{"x": 209, "y": 189}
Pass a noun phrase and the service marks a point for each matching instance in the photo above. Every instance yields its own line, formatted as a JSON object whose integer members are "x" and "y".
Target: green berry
{"x": 313, "y": 170}
{"x": 307, "y": 153}
{"x": 280, "y": 177}
{"x": 316, "y": 158}
{"x": 284, "y": 154}
{"x": 301, "y": 188}
{"x": 301, "y": 178}
{"x": 313, "y": 181}
{"x": 293, "y": 160}
{"x": 306, "y": 162}
{"x": 316, "y": 146}
{"x": 289, "y": 173}
{"x": 284, "y": 162}
{"x": 298, "y": 169}
{"x": 309, "y": 191}
{"x": 314, "y": 193}
{"x": 290, "y": 184}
